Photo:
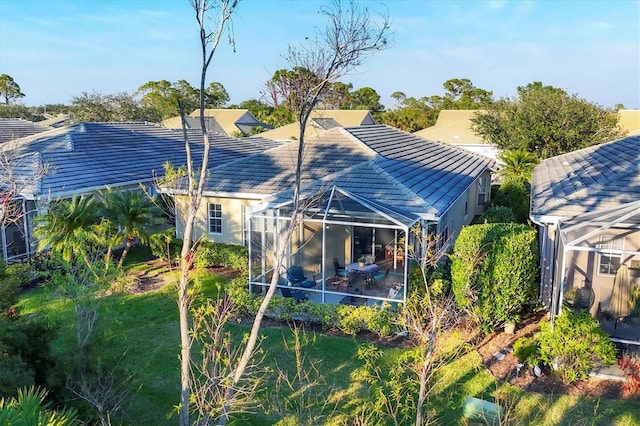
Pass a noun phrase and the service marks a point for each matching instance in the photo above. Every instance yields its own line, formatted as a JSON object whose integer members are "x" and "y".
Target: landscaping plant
{"x": 574, "y": 345}
{"x": 493, "y": 272}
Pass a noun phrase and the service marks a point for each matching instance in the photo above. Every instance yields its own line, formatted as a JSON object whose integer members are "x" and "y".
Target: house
{"x": 319, "y": 121}
{"x": 229, "y": 122}
{"x": 365, "y": 189}
{"x": 454, "y": 127}
{"x": 86, "y": 157}
{"x": 586, "y": 204}
{"x": 629, "y": 120}
{"x": 14, "y": 128}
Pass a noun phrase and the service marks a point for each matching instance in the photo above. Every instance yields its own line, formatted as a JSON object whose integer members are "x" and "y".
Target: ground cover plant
{"x": 140, "y": 331}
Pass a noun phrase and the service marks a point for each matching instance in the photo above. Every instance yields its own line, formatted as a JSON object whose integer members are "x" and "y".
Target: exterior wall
{"x": 232, "y": 227}
{"x": 456, "y": 217}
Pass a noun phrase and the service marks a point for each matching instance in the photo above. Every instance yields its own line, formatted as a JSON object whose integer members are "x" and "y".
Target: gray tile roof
{"x": 15, "y": 128}
{"x": 598, "y": 178}
{"x": 378, "y": 163}
{"x": 89, "y": 156}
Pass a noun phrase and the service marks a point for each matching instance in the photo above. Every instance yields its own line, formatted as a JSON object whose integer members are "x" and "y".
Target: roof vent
{"x": 565, "y": 163}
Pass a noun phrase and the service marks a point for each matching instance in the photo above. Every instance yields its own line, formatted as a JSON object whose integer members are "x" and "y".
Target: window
{"x": 609, "y": 261}
{"x": 215, "y": 218}
{"x": 482, "y": 191}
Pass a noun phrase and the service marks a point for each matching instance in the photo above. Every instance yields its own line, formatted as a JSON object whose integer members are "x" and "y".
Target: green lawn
{"x": 142, "y": 330}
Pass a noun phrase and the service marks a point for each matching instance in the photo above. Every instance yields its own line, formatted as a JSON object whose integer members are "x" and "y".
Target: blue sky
{"x": 58, "y": 49}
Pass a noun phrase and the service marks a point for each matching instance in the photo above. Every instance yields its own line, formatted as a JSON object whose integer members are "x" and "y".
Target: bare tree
{"x": 210, "y": 36}
{"x": 350, "y": 37}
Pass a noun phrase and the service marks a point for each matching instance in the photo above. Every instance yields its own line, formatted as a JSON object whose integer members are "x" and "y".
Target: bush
{"x": 11, "y": 279}
{"x": 576, "y": 345}
{"x": 514, "y": 194}
{"x": 629, "y": 363}
{"x": 164, "y": 245}
{"x": 498, "y": 214}
{"x": 527, "y": 351}
{"x": 210, "y": 254}
{"x": 493, "y": 272}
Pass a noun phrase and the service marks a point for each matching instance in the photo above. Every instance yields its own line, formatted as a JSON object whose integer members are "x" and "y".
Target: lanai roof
{"x": 597, "y": 178}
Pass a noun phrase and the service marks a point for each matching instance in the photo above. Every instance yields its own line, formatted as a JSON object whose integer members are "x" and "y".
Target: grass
{"x": 141, "y": 331}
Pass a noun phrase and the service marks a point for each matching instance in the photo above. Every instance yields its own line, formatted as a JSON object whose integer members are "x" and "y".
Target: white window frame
{"x": 610, "y": 248}
{"x": 212, "y": 219}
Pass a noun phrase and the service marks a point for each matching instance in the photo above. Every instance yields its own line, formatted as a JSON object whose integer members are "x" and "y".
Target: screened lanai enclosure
{"x": 348, "y": 249}
{"x": 598, "y": 268}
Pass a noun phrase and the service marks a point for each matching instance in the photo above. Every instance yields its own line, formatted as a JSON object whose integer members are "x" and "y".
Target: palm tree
{"x": 135, "y": 215}
{"x": 30, "y": 408}
{"x": 64, "y": 228}
{"x": 518, "y": 164}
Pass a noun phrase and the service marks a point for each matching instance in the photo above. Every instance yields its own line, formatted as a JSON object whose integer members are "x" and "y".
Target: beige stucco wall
{"x": 456, "y": 217}
{"x": 231, "y": 218}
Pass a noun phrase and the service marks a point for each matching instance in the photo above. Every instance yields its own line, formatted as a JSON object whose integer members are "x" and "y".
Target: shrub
{"x": 575, "y": 345}
{"x": 164, "y": 245}
{"x": 493, "y": 272}
{"x": 498, "y": 214}
{"x": 629, "y": 363}
{"x": 527, "y": 351}
{"x": 209, "y": 254}
{"x": 514, "y": 194}
{"x": 11, "y": 279}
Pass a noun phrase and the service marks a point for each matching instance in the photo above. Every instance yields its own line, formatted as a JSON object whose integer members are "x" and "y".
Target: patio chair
{"x": 381, "y": 276}
{"x": 339, "y": 269}
{"x": 298, "y": 296}
{"x": 296, "y": 277}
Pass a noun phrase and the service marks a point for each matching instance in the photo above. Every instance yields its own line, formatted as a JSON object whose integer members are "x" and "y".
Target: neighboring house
{"x": 587, "y": 206}
{"x": 92, "y": 156}
{"x": 319, "y": 121}
{"x": 14, "y": 128}
{"x": 629, "y": 120}
{"x": 454, "y": 127}
{"x": 230, "y": 122}
{"x": 364, "y": 189}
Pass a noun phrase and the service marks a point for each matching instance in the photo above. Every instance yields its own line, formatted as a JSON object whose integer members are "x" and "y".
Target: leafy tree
{"x": 338, "y": 96}
{"x": 216, "y": 95}
{"x": 288, "y": 87}
{"x": 545, "y": 121}
{"x": 15, "y": 111}
{"x": 162, "y": 97}
{"x": 408, "y": 118}
{"x": 9, "y": 89}
{"x": 399, "y": 97}
{"x": 95, "y": 107}
{"x": 366, "y": 98}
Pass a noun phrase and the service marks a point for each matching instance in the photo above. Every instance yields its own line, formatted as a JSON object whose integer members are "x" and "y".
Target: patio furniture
{"x": 298, "y": 296}
{"x": 381, "y": 276}
{"x": 296, "y": 277}
{"x": 339, "y": 269}
{"x": 365, "y": 273}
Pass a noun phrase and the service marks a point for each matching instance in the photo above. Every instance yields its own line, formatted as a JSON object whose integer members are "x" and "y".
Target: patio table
{"x": 366, "y": 271}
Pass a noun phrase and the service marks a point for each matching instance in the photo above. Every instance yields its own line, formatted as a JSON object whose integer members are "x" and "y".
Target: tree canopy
{"x": 9, "y": 89}
{"x": 163, "y": 96}
{"x": 545, "y": 121}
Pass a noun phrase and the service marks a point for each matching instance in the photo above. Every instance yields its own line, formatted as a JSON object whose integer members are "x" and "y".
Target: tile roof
{"x": 378, "y": 162}
{"x": 14, "y": 128}
{"x": 597, "y": 178}
{"x": 90, "y": 156}
{"x": 321, "y": 120}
